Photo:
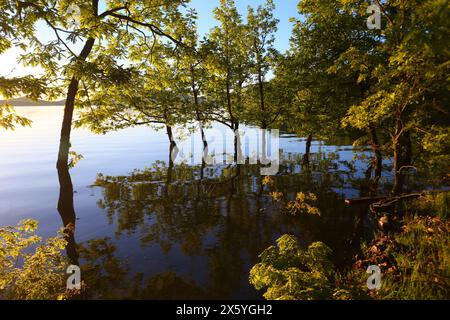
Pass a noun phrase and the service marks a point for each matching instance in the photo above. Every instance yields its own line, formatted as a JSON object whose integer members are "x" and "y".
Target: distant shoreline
{"x": 25, "y": 102}
{"x": 34, "y": 105}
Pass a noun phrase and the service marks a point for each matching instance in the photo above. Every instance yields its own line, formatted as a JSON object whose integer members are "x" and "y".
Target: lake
{"x": 150, "y": 229}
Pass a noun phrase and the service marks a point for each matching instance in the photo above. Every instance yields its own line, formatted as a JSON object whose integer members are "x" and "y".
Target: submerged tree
{"x": 153, "y": 96}
{"x": 93, "y": 30}
{"x": 192, "y": 61}
{"x": 227, "y": 67}
{"x": 316, "y": 72}
{"x": 104, "y": 38}
{"x": 410, "y": 85}
{"x": 261, "y": 27}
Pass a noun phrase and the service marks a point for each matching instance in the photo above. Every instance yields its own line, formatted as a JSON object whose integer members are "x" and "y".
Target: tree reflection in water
{"x": 225, "y": 216}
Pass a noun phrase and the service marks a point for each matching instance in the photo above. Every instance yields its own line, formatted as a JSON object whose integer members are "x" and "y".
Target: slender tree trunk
{"x": 264, "y": 159}
{"x": 205, "y": 143}
{"x": 237, "y": 144}
{"x": 173, "y": 145}
{"x": 66, "y": 128}
{"x": 170, "y": 135}
{"x": 307, "y": 150}
{"x": 230, "y": 110}
{"x": 171, "y": 162}
{"x": 195, "y": 92}
{"x": 199, "y": 119}
{"x": 173, "y": 151}
{"x": 263, "y": 116}
{"x": 402, "y": 157}
{"x": 261, "y": 99}
{"x": 374, "y": 142}
{"x": 202, "y": 132}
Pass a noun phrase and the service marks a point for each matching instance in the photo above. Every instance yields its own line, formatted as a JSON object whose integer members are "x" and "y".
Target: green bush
{"x": 31, "y": 269}
{"x": 415, "y": 265}
{"x": 290, "y": 273}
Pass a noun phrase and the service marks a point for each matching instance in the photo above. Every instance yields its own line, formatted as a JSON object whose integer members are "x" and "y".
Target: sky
{"x": 285, "y": 9}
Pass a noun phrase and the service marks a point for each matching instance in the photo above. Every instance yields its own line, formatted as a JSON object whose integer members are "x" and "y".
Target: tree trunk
{"x": 170, "y": 135}
{"x": 173, "y": 146}
{"x": 205, "y": 144}
{"x": 378, "y": 160}
{"x": 202, "y": 132}
{"x": 261, "y": 98}
{"x": 64, "y": 143}
{"x": 264, "y": 159}
{"x": 230, "y": 110}
{"x": 263, "y": 114}
{"x": 195, "y": 91}
{"x": 307, "y": 150}
{"x": 173, "y": 151}
{"x": 402, "y": 157}
{"x": 237, "y": 145}
{"x": 65, "y": 201}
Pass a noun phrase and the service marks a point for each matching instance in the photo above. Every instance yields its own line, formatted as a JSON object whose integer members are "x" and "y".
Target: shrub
{"x": 29, "y": 267}
{"x": 290, "y": 273}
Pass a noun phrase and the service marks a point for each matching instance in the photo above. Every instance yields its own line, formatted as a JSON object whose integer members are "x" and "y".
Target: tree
{"x": 10, "y": 87}
{"x": 114, "y": 30}
{"x": 316, "y": 72}
{"x": 227, "y": 67}
{"x": 261, "y": 27}
{"x": 118, "y": 23}
{"x": 192, "y": 61}
{"x": 153, "y": 96}
{"x": 410, "y": 92}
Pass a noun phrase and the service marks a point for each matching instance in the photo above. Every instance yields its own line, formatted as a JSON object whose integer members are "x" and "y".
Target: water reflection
{"x": 104, "y": 275}
{"x": 224, "y": 216}
{"x": 175, "y": 230}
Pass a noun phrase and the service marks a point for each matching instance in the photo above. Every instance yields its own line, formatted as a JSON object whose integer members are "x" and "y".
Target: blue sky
{"x": 285, "y": 9}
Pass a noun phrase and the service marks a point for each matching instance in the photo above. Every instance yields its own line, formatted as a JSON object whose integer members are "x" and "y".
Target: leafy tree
{"x": 153, "y": 96}
{"x": 113, "y": 29}
{"x": 192, "y": 59}
{"x": 410, "y": 88}
{"x": 227, "y": 66}
{"x": 316, "y": 72}
{"x": 261, "y": 27}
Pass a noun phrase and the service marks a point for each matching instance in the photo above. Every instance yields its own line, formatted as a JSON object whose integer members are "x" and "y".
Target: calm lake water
{"x": 151, "y": 230}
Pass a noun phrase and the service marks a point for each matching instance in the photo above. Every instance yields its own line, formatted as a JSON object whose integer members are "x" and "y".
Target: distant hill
{"x": 25, "y": 102}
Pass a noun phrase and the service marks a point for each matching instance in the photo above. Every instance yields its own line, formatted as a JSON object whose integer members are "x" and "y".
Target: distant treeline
{"x": 24, "y": 102}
